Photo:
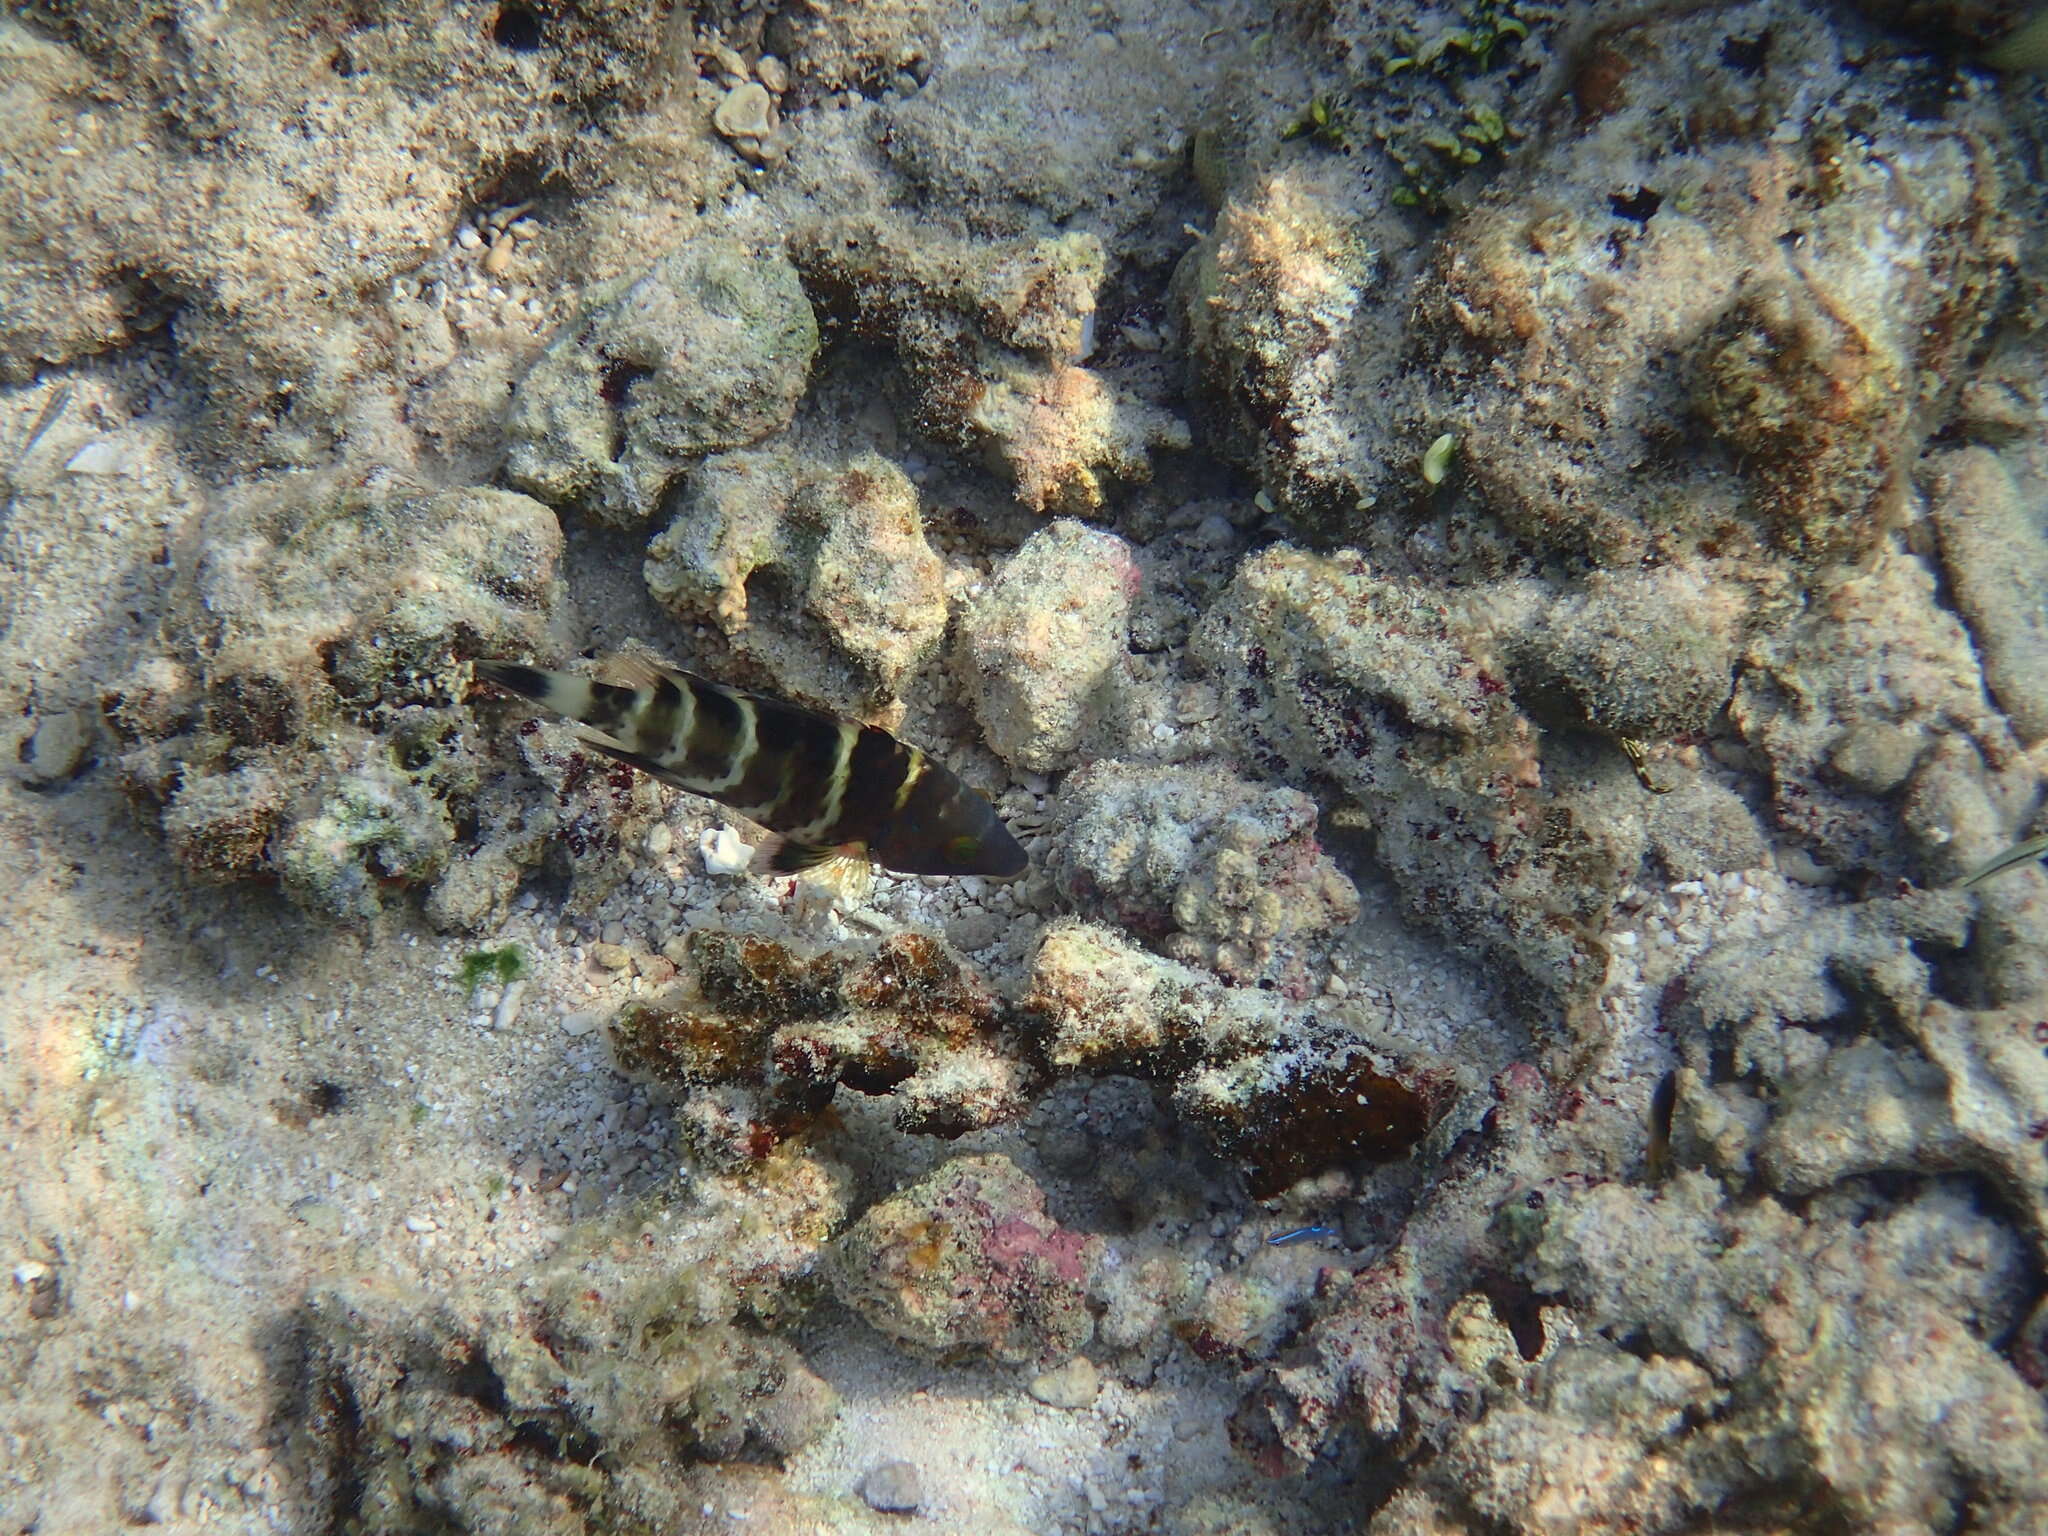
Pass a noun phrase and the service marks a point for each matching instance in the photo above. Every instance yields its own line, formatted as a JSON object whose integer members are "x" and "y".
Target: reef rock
{"x": 592, "y": 1382}
{"x": 1217, "y": 871}
{"x": 1995, "y": 556}
{"x": 1851, "y": 1360}
{"x": 710, "y": 348}
{"x": 989, "y": 338}
{"x": 817, "y": 572}
{"x": 1863, "y": 695}
{"x": 1371, "y": 682}
{"x": 1042, "y": 649}
{"x": 1843, "y": 1062}
{"x": 357, "y": 149}
{"x": 967, "y": 1259}
{"x": 1285, "y": 1090}
{"x": 302, "y": 717}
{"x": 1791, "y": 324}
{"x": 780, "y": 1032}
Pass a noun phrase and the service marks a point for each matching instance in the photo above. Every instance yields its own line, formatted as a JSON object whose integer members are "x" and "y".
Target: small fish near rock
{"x": 828, "y": 788}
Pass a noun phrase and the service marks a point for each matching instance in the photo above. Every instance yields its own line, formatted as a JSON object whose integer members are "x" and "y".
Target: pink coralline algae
{"x": 967, "y": 1259}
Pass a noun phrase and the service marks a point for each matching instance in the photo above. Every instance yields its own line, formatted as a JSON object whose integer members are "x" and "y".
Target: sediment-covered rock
{"x": 302, "y": 719}
{"x": 1042, "y": 650}
{"x": 817, "y": 571}
{"x": 967, "y": 1259}
{"x": 1215, "y": 870}
{"x": 710, "y": 348}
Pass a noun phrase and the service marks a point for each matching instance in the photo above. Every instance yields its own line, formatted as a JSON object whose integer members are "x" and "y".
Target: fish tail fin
{"x": 604, "y": 708}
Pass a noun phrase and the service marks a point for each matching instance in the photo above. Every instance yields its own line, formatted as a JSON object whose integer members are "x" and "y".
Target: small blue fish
{"x": 1300, "y": 1235}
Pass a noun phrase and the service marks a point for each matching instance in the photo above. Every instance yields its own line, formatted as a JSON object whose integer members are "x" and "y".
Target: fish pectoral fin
{"x": 785, "y": 856}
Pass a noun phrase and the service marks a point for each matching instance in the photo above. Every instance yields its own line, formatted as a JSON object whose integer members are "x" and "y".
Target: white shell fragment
{"x": 507, "y": 1011}
{"x": 744, "y": 114}
{"x": 723, "y": 852}
{"x": 100, "y": 458}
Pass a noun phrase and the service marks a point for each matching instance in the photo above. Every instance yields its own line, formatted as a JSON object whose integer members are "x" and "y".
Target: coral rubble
{"x": 708, "y": 349}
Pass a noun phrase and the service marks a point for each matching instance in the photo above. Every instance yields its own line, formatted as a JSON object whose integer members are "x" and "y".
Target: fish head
{"x": 945, "y": 828}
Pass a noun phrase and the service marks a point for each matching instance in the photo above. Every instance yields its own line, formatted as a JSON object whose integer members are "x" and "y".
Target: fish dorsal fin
{"x": 633, "y": 669}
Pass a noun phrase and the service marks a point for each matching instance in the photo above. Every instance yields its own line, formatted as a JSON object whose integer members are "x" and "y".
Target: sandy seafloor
{"x": 216, "y": 1102}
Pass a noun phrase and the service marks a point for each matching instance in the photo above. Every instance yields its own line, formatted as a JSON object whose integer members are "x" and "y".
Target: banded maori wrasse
{"x": 828, "y": 788}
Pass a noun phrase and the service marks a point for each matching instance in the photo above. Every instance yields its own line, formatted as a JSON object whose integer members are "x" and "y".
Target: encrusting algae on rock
{"x": 1546, "y": 391}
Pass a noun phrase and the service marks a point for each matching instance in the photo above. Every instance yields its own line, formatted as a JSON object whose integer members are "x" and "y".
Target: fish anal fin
{"x": 611, "y": 746}
{"x": 597, "y": 741}
{"x": 785, "y": 856}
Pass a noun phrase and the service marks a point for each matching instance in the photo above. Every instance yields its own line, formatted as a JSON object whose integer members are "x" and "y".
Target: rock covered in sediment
{"x": 1864, "y": 701}
{"x": 1643, "y": 654}
{"x": 301, "y": 718}
{"x": 710, "y": 348}
{"x": 1995, "y": 556}
{"x": 779, "y": 1031}
{"x": 1915, "y": 1083}
{"x": 967, "y": 1260}
{"x": 1368, "y": 680}
{"x": 486, "y": 1402}
{"x": 816, "y": 570}
{"x": 1042, "y": 649}
{"x": 1284, "y": 1089}
{"x": 1821, "y": 1343}
{"x": 989, "y": 337}
{"x": 1742, "y": 1322}
{"x": 1215, "y": 870}
{"x": 1802, "y": 387}
{"x": 1291, "y": 319}
{"x": 358, "y": 151}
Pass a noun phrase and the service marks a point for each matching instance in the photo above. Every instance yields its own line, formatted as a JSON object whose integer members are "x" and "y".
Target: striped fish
{"x": 828, "y": 788}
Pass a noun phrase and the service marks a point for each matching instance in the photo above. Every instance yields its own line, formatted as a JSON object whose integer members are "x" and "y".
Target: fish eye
{"x": 962, "y": 848}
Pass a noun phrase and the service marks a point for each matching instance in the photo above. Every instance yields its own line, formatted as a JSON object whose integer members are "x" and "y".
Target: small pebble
{"x": 579, "y": 1023}
{"x": 973, "y": 932}
{"x": 418, "y": 1223}
{"x": 892, "y": 1488}
{"x": 507, "y": 1012}
{"x": 611, "y": 957}
{"x": 60, "y": 748}
{"x": 745, "y": 112}
{"x": 660, "y": 840}
{"x": 772, "y": 73}
{"x": 1072, "y": 1385}
{"x": 101, "y": 458}
{"x": 468, "y": 238}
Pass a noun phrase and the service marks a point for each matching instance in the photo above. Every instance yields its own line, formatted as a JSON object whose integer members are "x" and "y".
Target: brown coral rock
{"x": 967, "y": 1259}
